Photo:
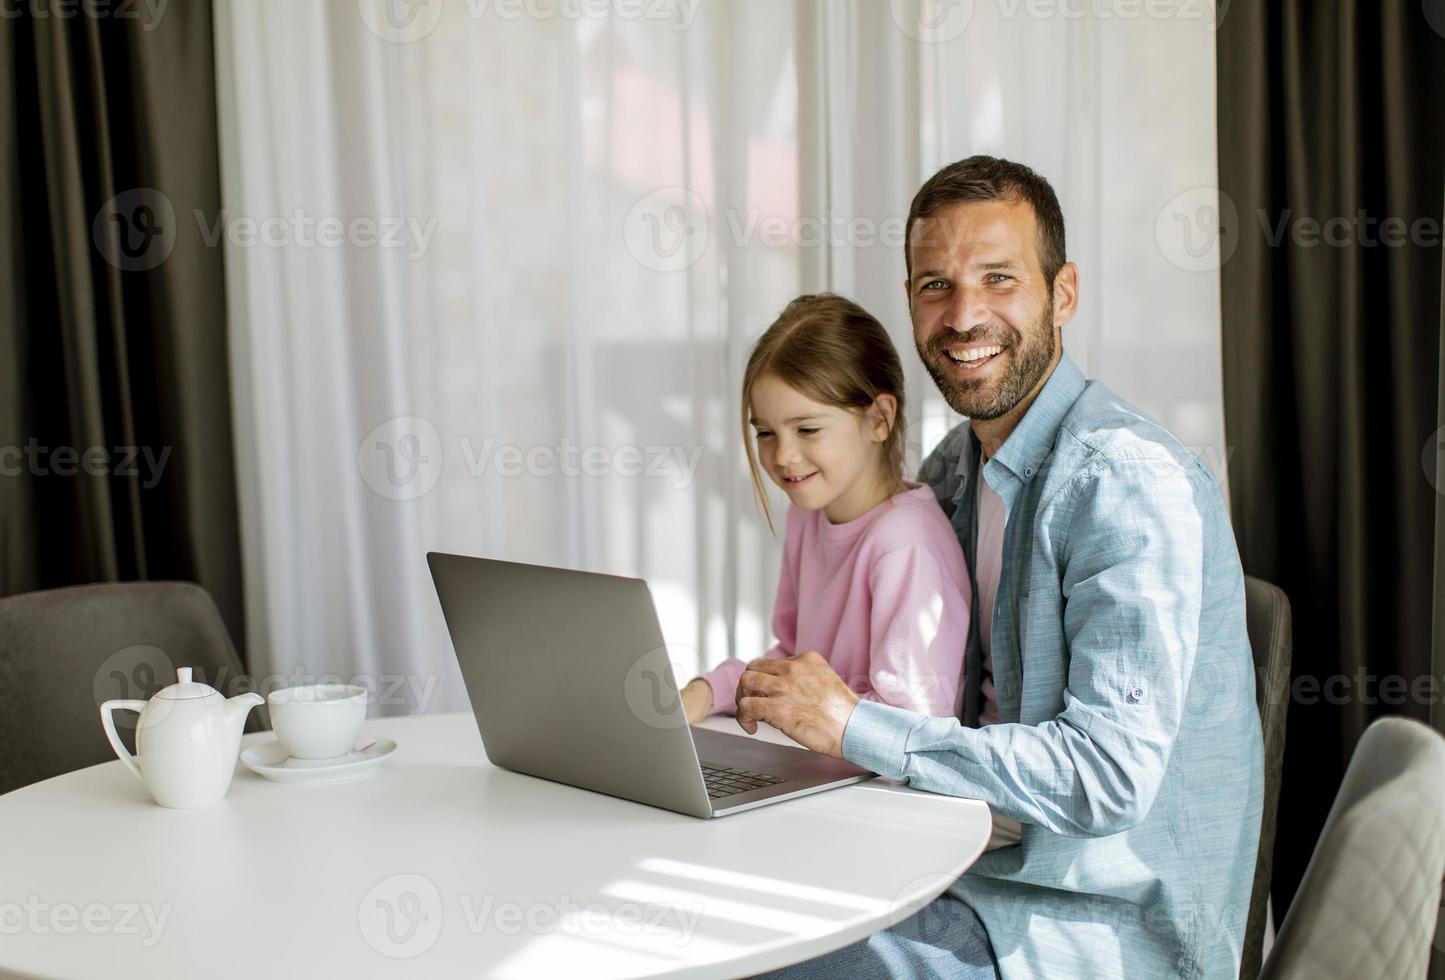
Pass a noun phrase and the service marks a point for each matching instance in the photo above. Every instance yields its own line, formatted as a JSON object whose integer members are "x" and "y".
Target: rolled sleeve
{"x": 876, "y": 737}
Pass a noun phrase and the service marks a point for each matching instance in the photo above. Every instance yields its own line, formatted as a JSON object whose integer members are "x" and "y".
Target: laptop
{"x": 570, "y": 681}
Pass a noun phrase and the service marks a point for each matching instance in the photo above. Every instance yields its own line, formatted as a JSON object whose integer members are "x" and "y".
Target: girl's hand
{"x": 697, "y": 700}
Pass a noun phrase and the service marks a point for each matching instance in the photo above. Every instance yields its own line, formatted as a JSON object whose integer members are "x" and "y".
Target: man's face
{"x": 983, "y": 316}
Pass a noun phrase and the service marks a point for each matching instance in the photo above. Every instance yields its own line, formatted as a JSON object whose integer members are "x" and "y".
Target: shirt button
{"x": 1028, "y": 471}
{"x": 1135, "y": 694}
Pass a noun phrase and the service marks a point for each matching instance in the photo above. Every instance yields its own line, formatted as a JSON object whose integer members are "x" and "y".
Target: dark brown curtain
{"x": 1331, "y": 142}
{"x": 115, "y": 427}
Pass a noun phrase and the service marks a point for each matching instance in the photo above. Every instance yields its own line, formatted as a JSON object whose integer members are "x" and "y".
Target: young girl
{"x": 873, "y": 577}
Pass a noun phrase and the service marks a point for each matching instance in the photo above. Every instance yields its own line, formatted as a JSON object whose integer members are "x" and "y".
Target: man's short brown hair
{"x": 984, "y": 178}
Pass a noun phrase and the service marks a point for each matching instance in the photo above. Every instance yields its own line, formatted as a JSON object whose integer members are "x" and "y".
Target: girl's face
{"x": 823, "y": 457}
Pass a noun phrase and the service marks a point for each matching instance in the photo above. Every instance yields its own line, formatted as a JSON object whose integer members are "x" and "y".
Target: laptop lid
{"x": 569, "y": 678}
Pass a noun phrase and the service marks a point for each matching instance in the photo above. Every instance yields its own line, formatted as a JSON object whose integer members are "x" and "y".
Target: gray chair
{"x": 1267, "y": 618}
{"x": 64, "y": 651}
{"x": 1369, "y": 899}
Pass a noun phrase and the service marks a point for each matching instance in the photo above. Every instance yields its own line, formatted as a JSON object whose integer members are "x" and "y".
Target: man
{"x": 1107, "y": 654}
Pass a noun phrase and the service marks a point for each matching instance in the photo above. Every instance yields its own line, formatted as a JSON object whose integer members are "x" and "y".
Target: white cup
{"x": 318, "y": 721}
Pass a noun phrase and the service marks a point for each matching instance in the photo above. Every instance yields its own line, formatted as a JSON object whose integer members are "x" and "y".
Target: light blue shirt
{"x": 1129, "y": 742}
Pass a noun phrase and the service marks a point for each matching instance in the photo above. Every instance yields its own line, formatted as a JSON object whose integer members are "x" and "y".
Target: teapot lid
{"x": 185, "y": 689}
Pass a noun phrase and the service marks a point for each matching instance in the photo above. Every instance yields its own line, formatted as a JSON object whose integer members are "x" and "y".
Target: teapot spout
{"x": 240, "y": 706}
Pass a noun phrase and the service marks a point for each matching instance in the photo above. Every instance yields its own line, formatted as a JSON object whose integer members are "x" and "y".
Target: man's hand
{"x": 697, "y": 700}
{"x": 801, "y": 696}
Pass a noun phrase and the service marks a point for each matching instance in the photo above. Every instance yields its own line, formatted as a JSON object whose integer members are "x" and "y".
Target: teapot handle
{"x": 115, "y": 743}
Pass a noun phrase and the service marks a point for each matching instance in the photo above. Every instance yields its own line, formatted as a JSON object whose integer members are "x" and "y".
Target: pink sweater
{"x": 883, "y": 597}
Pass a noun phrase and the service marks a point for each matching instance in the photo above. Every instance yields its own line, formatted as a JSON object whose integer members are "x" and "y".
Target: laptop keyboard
{"x": 722, "y": 781}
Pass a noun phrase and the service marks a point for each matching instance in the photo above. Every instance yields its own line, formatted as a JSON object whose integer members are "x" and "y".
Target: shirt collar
{"x": 1031, "y": 441}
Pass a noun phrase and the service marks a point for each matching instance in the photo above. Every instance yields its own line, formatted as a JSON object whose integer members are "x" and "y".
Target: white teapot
{"x": 187, "y": 740}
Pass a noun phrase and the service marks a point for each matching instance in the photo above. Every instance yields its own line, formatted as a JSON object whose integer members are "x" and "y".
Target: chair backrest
{"x": 64, "y": 651}
{"x": 1271, "y": 637}
{"x": 1368, "y": 902}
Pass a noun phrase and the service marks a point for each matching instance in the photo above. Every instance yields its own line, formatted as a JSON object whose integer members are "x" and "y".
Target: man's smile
{"x": 972, "y": 362}
{"x": 972, "y": 359}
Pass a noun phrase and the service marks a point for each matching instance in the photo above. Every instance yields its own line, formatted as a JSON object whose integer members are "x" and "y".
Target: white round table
{"x": 442, "y": 865}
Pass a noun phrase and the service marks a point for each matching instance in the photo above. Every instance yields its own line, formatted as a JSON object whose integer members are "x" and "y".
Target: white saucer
{"x": 270, "y": 760}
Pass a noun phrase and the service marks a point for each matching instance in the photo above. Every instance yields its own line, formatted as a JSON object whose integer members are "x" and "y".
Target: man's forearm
{"x": 1052, "y": 775}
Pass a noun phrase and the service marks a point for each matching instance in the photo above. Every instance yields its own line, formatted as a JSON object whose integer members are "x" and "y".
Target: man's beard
{"x": 981, "y": 399}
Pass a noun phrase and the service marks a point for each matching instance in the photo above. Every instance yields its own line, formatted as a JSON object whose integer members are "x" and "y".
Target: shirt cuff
{"x": 877, "y": 737}
{"x": 724, "y": 684}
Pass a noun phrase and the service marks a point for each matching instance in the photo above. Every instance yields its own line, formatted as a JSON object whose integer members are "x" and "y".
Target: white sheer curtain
{"x": 494, "y": 267}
